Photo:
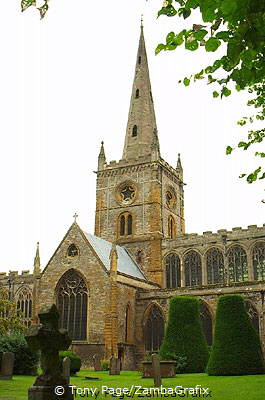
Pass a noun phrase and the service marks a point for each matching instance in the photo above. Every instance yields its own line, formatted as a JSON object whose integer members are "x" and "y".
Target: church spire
{"x": 141, "y": 120}
{"x": 37, "y": 270}
{"x": 101, "y": 157}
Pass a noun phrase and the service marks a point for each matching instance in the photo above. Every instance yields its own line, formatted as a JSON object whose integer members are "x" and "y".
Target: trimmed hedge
{"x": 26, "y": 360}
{"x": 75, "y": 364}
{"x": 184, "y": 338}
{"x": 236, "y": 346}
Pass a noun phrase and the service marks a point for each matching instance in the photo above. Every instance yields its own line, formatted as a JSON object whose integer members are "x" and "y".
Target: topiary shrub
{"x": 236, "y": 346}
{"x": 26, "y": 360}
{"x": 75, "y": 364}
{"x": 184, "y": 340}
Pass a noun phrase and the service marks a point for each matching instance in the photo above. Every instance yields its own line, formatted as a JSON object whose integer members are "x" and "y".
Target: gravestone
{"x": 156, "y": 370}
{"x": 96, "y": 362}
{"x": 66, "y": 369}
{"x": 47, "y": 338}
{"x": 7, "y": 366}
{"x": 114, "y": 366}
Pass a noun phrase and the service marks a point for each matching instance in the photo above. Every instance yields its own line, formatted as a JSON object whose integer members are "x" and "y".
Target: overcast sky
{"x": 66, "y": 85}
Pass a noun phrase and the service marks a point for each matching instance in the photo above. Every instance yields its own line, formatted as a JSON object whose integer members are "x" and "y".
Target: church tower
{"x": 139, "y": 200}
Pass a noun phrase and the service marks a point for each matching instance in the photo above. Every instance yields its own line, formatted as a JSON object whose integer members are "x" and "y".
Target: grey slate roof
{"x": 126, "y": 265}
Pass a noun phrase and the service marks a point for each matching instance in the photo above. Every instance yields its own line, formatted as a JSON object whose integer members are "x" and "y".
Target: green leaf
{"x": 223, "y": 35}
{"x": 212, "y": 44}
{"x": 27, "y": 3}
{"x": 170, "y": 37}
{"x": 43, "y": 9}
{"x": 216, "y": 94}
{"x": 242, "y": 175}
{"x": 186, "y": 81}
{"x": 199, "y": 35}
{"x": 254, "y": 175}
{"x": 159, "y": 48}
{"x": 169, "y": 11}
{"x": 192, "y": 4}
{"x": 229, "y": 150}
{"x": 228, "y": 7}
{"x": 193, "y": 45}
{"x": 242, "y": 144}
{"x": 225, "y": 92}
{"x": 262, "y": 176}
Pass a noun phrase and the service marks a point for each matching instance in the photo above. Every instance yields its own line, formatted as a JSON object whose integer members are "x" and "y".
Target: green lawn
{"x": 250, "y": 387}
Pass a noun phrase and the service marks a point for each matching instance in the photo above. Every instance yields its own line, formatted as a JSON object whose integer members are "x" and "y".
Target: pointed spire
{"x": 37, "y": 269}
{"x": 101, "y": 157}
{"x": 179, "y": 166}
{"x": 155, "y": 148}
{"x": 113, "y": 260}
{"x": 141, "y": 119}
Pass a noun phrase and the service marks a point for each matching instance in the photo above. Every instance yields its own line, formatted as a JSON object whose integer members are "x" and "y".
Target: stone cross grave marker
{"x": 96, "y": 362}
{"x": 66, "y": 369}
{"x": 156, "y": 370}
{"x": 47, "y": 338}
{"x": 7, "y": 366}
{"x": 114, "y": 367}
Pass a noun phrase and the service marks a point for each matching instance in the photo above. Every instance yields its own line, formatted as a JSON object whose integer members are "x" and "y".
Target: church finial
{"x": 75, "y": 216}
{"x": 155, "y": 148}
{"x": 101, "y": 157}
{"x": 113, "y": 259}
{"x": 37, "y": 270}
{"x": 179, "y": 162}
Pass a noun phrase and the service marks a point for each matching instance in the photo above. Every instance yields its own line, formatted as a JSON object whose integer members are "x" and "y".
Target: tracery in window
{"x": 72, "y": 250}
{"x": 24, "y": 304}
{"x": 253, "y": 314}
{"x": 206, "y": 320}
{"x": 258, "y": 256}
{"x": 154, "y": 329}
{"x": 125, "y": 224}
{"x": 171, "y": 227}
{"x": 215, "y": 266}
{"x": 72, "y": 301}
{"x": 172, "y": 271}
{"x": 193, "y": 269}
{"x": 237, "y": 264}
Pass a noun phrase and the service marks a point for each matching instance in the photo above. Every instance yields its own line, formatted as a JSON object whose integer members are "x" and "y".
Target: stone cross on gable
{"x": 47, "y": 338}
{"x": 75, "y": 216}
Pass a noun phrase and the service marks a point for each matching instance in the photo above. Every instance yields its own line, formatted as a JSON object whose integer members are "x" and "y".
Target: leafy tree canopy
{"x": 32, "y": 3}
{"x": 240, "y": 25}
{"x": 10, "y": 319}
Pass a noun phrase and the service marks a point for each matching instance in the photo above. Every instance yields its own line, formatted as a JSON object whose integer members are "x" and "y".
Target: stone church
{"x": 113, "y": 288}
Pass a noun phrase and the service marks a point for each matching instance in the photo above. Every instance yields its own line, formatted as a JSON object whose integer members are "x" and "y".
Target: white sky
{"x": 65, "y": 85}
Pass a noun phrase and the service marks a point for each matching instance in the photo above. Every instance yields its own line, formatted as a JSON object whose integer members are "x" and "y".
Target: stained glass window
{"x": 72, "y": 298}
{"x": 206, "y": 320}
{"x": 154, "y": 329}
{"x": 259, "y": 261}
{"x": 172, "y": 271}
{"x": 237, "y": 264}
{"x": 215, "y": 266}
{"x": 24, "y": 304}
{"x": 193, "y": 269}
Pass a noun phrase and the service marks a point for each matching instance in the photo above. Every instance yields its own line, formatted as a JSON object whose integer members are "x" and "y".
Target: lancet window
{"x": 128, "y": 324}
{"x": 171, "y": 227}
{"x": 137, "y": 93}
{"x": 72, "y": 301}
{"x": 24, "y": 304}
{"x": 154, "y": 329}
{"x": 172, "y": 271}
{"x": 237, "y": 264}
{"x": 125, "y": 224}
{"x": 134, "y": 130}
{"x": 193, "y": 269}
{"x": 253, "y": 315}
{"x": 72, "y": 250}
{"x": 258, "y": 256}
{"x": 206, "y": 320}
{"x": 215, "y": 266}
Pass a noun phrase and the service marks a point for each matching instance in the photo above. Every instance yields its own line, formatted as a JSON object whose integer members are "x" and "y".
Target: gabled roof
{"x": 126, "y": 265}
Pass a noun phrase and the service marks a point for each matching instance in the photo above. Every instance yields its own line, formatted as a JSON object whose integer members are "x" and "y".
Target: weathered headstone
{"x": 7, "y": 366}
{"x": 114, "y": 366}
{"x": 96, "y": 362}
{"x": 156, "y": 370}
{"x": 66, "y": 369}
{"x": 47, "y": 338}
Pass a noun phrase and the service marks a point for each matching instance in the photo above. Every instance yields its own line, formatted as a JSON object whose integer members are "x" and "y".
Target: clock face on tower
{"x": 126, "y": 193}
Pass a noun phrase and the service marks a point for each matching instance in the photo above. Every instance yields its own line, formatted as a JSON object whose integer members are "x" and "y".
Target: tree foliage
{"x": 239, "y": 25}
{"x": 184, "y": 338}
{"x": 10, "y": 318}
{"x": 25, "y": 4}
{"x": 236, "y": 346}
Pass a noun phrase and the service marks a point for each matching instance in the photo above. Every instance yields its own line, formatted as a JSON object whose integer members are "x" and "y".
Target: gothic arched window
{"x": 171, "y": 227}
{"x": 139, "y": 60}
{"x": 237, "y": 264}
{"x": 125, "y": 224}
{"x": 128, "y": 323}
{"x": 24, "y": 304}
{"x": 259, "y": 261}
{"x": 137, "y": 93}
{"x": 72, "y": 299}
{"x": 206, "y": 320}
{"x": 134, "y": 130}
{"x": 154, "y": 329}
{"x": 193, "y": 269}
{"x": 215, "y": 266}
{"x": 253, "y": 314}
{"x": 172, "y": 271}
{"x": 72, "y": 250}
